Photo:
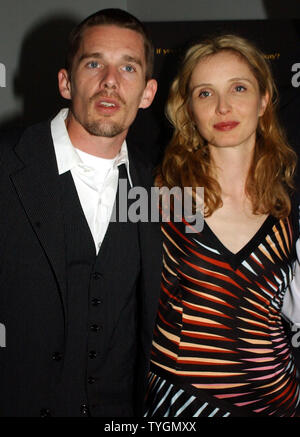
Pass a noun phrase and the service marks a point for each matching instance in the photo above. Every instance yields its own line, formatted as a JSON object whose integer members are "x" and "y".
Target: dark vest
{"x": 101, "y": 316}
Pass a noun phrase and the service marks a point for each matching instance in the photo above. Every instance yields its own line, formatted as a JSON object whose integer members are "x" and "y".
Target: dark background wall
{"x": 33, "y": 35}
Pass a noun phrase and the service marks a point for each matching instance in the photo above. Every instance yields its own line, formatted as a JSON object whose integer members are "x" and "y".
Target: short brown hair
{"x": 106, "y": 17}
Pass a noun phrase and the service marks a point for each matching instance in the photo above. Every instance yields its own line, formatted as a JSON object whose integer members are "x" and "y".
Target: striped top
{"x": 219, "y": 328}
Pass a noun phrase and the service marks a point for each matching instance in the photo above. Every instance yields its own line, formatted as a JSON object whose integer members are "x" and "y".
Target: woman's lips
{"x": 226, "y": 125}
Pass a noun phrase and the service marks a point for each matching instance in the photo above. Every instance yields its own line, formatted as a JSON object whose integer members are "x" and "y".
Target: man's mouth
{"x": 107, "y": 104}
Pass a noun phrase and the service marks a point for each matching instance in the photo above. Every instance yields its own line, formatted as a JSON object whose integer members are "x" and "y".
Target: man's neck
{"x": 102, "y": 147}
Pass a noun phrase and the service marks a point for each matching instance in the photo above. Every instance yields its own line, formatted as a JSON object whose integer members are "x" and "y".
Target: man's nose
{"x": 110, "y": 78}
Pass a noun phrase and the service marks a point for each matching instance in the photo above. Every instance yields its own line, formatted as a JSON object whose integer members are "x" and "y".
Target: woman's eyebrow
{"x": 233, "y": 79}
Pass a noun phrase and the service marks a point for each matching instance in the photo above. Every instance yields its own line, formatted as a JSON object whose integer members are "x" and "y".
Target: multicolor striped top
{"x": 219, "y": 328}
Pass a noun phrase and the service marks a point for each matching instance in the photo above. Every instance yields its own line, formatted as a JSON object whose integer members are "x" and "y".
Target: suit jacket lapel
{"x": 37, "y": 185}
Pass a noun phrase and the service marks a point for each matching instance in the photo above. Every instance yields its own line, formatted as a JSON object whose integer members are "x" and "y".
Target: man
{"x": 79, "y": 294}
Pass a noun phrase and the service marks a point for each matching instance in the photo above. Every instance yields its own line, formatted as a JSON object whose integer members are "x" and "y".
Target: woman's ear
{"x": 264, "y": 100}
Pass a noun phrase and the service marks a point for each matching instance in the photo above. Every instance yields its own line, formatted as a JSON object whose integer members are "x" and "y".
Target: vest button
{"x": 56, "y": 356}
{"x": 91, "y": 380}
{"x": 97, "y": 275}
{"x": 92, "y": 354}
{"x": 45, "y": 412}
{"x": 84, "y": 410}
{"x": 95, "y": 328}
{"x": 96, "y": 301}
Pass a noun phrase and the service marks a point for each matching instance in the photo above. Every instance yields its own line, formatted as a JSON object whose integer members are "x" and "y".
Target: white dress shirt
{"x": 96, "y": 179}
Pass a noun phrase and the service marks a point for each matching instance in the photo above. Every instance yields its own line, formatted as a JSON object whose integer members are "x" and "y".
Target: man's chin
{"x": 104, "y": 129}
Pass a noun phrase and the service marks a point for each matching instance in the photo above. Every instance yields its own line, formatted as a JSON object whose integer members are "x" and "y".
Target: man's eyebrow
{"x": 132, "y": 59}
{"x": 98, "y": 55}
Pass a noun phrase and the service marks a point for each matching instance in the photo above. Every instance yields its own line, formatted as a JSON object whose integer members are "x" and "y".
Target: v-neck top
{"x": 219, "y": 329}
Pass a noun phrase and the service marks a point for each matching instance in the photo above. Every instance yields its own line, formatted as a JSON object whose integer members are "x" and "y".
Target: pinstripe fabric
{"x": 219, "y": 328}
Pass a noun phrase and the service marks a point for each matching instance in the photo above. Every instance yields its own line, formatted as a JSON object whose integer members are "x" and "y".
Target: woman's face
{"x": 225, "y": 101}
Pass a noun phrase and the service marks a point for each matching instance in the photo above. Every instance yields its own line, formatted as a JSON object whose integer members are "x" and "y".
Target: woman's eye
{"x": 204, "y": 94}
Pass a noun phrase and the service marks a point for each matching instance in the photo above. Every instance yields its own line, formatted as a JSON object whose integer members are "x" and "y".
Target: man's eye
{"x": 203, "y": 94}
{"x": 128, "y": 68}
{"x": 93, "y": 64}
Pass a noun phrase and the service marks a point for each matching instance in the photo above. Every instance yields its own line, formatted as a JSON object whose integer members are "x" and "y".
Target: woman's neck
{"x": 231, "y": 167}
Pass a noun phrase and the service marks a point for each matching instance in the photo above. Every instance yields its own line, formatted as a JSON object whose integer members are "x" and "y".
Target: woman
{"x": 219, "y": 347}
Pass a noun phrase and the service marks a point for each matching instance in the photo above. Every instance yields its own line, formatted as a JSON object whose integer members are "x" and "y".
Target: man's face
{"x": 107, "y": 84}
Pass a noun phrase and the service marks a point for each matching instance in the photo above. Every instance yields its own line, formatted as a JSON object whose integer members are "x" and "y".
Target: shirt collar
{"x": 66, "y": 156}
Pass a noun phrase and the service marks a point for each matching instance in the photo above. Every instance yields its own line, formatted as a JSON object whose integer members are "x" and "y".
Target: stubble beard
{"x": 102, "y": 128}
{"x": 105, "y": 127}
{"x": 99, "y": 128}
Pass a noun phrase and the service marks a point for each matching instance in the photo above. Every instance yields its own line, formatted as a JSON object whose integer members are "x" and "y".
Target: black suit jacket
{"x": 33, "y": 273}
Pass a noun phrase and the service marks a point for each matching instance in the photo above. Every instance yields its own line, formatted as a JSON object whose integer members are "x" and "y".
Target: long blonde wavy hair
{"x": 187, "y": 161}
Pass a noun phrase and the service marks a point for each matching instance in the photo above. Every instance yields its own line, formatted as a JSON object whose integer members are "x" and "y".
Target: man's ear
{"x": 64, "y": 84}
{"x": 148, "y": 94}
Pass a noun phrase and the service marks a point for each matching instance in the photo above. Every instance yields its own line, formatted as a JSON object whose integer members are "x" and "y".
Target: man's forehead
{"x": 112, "y": 36}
